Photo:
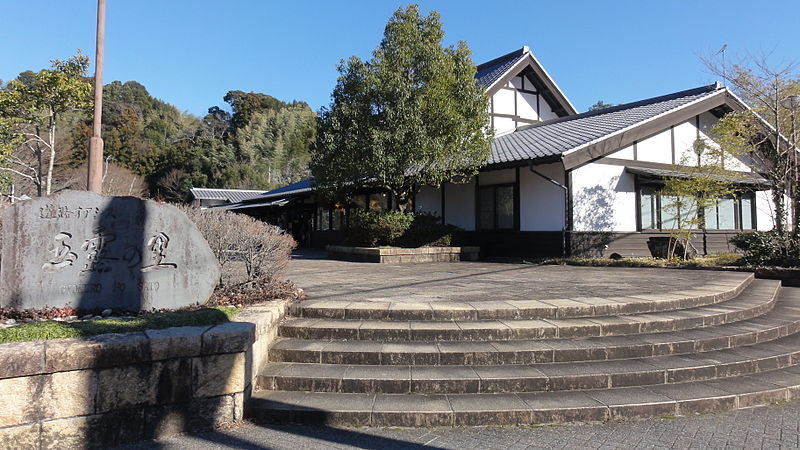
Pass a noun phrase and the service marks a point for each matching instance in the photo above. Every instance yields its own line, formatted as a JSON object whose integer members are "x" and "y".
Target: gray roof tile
{"x": 230, "y": 195}
{"x": 491, "y": 71}
{"x": 558, "y": 136}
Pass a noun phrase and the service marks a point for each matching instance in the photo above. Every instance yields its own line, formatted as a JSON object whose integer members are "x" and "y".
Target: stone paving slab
{"x": 754, "y": 301}
{"x": 626, "y": 403}
{"x": 531, "y": 378}
{"x": 327, "y": 280}
{"x": 776, "y": 426}
{"x": 782, "y": 321}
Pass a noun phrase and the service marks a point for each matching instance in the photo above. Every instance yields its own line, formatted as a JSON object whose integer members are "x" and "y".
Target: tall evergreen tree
{"x": 412, "y": 115}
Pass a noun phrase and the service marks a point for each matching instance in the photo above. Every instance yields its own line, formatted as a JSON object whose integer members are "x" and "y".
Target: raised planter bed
{"x": 397, "y": 255}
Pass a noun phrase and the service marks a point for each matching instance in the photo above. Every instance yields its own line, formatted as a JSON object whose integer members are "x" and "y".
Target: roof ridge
{"x": 518, "y": 52}
{"x": 230, "y": 189}
{"x": 661, "y": 98}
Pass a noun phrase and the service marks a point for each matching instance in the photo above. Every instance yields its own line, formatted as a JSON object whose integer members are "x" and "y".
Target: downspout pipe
{"x": 566, "y": 208}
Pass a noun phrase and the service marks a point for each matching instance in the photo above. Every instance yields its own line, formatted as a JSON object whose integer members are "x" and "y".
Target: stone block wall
{"x": 112, "y": 389}
{"x": 398, "y": 255}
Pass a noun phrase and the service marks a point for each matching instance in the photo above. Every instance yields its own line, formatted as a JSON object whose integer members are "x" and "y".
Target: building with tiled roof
{"x": 560, "y": 182}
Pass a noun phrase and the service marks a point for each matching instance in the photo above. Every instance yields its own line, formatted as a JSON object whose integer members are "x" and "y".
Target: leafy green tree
{"x": 412, "y": 115}
{"x": 769, "y": 132}
{"x": 277, "y": 142}
{"x": 599, "y": 105}
{"x": 31, "y": 106}
{"x": 706, "y": 181}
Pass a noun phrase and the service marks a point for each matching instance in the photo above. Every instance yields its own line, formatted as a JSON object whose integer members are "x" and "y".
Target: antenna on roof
{"x": 722, "y": 50}
{"x": 526, "y": 49}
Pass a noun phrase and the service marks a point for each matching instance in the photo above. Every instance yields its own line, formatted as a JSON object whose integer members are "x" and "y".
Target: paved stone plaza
{"x": 770, "y": 427}
{"x": 325, "y": 279}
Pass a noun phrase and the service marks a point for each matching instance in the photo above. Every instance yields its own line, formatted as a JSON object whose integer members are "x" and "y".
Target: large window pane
{"x": 710, "y": 215}
{"x": 378, "y": 202}
{"x": 648, "y": 208}
{"x": 669, "y": 212}
{"x": 747, "y": 211}
{"x": 360, "y": 202}
{"x": 487, "y": 208}
{"x": 338, "y": 218}
{"x": 688, "y": 207}
{"x": 727, "y": 214}
{"x": 323, "y": 219}
{"x": 505, "y": 207}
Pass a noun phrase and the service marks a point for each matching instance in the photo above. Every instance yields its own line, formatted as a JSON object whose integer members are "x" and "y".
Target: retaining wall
{"x": 112, "y": 389}
{"x": 397, "y": 255}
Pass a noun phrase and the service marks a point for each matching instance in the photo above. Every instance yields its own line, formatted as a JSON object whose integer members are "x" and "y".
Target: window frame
{"x": 737, "y": 205}
{"x": 478, "y": 209}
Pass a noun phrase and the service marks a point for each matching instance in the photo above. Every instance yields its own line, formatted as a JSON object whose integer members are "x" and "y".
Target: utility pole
{"x": 95, "y": 176}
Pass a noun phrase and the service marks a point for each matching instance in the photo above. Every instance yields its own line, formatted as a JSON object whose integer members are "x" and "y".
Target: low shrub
{"x": 427, "y": 230}
{"x": 717, "y": 260}
{"x": 763, "y": 248}
{"x": 394, "y": 228}
{"x": 377, "y": 228}
{"x": 264, "y": 250}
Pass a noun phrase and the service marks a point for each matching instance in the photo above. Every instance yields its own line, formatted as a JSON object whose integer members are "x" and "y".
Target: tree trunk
{"x": 52, "y": 141}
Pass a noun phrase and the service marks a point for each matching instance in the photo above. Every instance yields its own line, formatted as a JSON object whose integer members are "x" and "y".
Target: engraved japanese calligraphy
{"x": 87, "y": 251}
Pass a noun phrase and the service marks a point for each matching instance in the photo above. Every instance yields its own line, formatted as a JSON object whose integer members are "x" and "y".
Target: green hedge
{"x": 397, "y": 229}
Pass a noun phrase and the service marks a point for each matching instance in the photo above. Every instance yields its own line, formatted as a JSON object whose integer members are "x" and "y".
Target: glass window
{"x": 726, "y": 211}
{"x": 710, "y": 217}
{"x": 496, "y": 207}
{"x": 504, "y": 205}
{"x": 338, "y": 217}
{"x": 667, "y": 212}
{"x": 378, "y": 202}
{"x": 649, "y": 208}
{"x": 360, "y": 202}
{"x": 323, "y": 219}
{"x": 487, "y": 208}
{"x": 747, "y": 211}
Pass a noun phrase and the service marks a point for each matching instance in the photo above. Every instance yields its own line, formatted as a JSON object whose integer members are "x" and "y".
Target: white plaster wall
{"x": 459, "y": 207}
{"x": 603, "y": 198}
{"x": 504, "y": 101}
{"x": 504, "y": 125}
{"x": 685, "y": 135}
{"x": 541, "y": 202}
{"x": 764, "y": 210}
{"x": 546, "y": 111}
{"x": 429, "y": 199}
{"x": 497, "y": 177}
{"x": 624, "y": 153}
{"x": 526, "y": 106}
{"x": 656, "y": 148}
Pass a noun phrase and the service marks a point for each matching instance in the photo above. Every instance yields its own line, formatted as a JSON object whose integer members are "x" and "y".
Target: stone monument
{"x": 88, "y": 251}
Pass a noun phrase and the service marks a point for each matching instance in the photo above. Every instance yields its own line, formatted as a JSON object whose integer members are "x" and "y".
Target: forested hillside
{"x": 152, "y": 148}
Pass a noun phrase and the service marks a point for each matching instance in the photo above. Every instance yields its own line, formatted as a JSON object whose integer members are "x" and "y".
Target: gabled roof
{"x": 495, "y": 73}
{"x": 580, "y": 138}
{"x": 493, "y": 70}
{"x": 230, "y": 195}
{"x": 298, "y": 187}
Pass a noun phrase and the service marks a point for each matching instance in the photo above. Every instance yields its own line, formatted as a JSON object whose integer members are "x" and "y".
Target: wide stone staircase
{"x": 732, "y": 343}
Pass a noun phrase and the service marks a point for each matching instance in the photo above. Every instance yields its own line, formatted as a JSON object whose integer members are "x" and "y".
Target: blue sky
{"x": 190, "y": 52}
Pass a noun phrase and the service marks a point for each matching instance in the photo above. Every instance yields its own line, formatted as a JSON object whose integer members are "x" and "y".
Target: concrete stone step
{"x": 599, "y": 405}
{"x": 404, "y": 379}
{"x": 728, "y": 286}
{"x": 755, "y": 300}
{"x": 782, "y": 321}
